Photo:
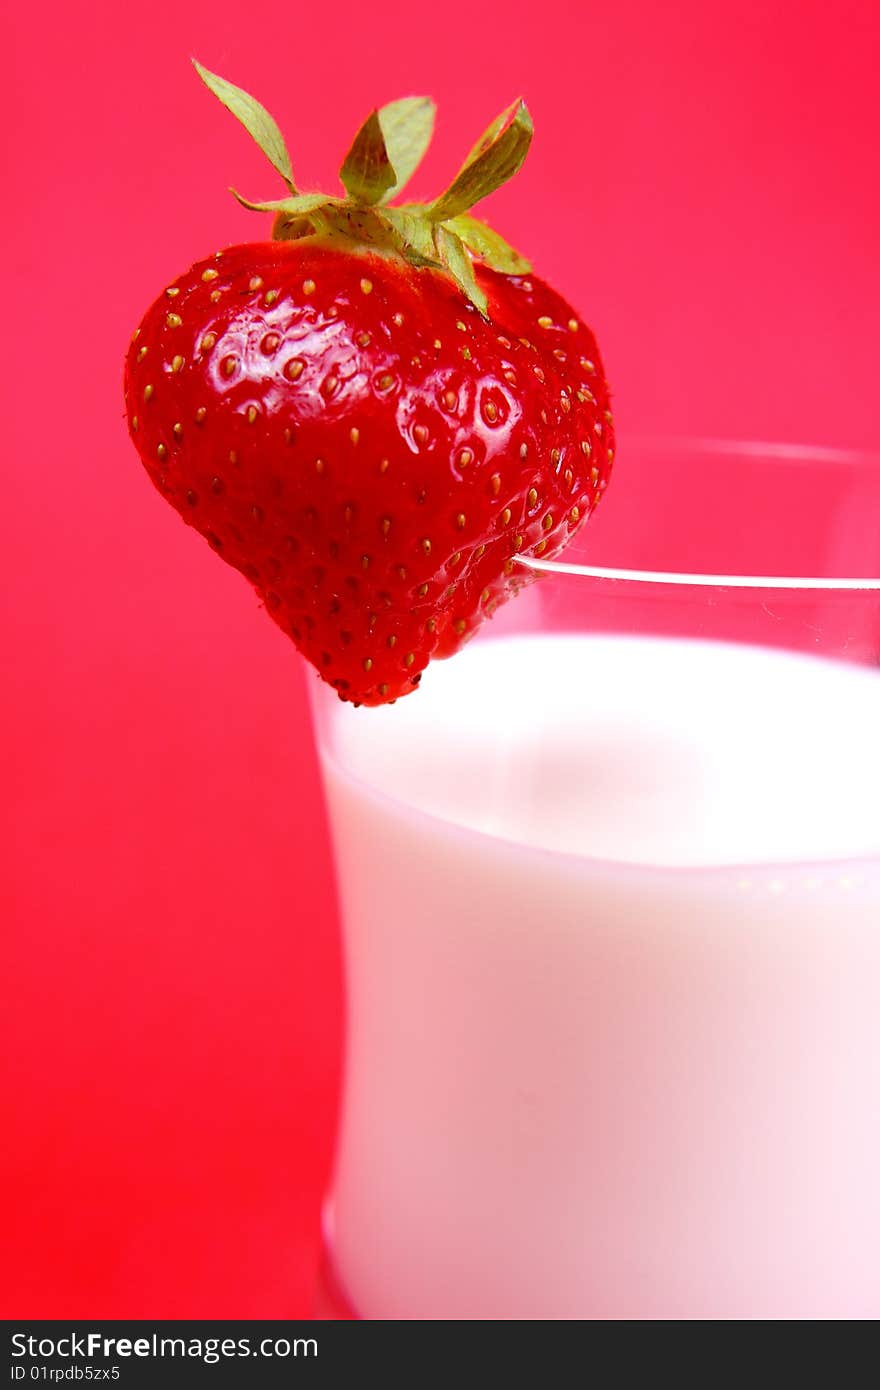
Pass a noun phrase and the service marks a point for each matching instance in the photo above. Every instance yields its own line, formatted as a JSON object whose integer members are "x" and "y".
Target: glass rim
{"x": 792, "y": 454}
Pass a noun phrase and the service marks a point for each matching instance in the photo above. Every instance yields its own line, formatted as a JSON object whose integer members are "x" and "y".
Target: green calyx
{"x": 383, "y": 156}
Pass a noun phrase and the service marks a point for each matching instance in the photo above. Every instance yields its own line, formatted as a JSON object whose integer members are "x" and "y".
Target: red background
{"x": 703, "y": 186}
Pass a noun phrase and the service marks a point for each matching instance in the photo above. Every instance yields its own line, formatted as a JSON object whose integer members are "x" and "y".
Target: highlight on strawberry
{"x": 378, "y": 413}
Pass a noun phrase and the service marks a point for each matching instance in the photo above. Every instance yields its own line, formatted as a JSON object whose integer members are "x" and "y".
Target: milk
{"x": 612, "y": 936}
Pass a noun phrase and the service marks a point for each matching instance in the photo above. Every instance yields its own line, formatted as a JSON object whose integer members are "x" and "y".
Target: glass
{"x": 610, "y": 895}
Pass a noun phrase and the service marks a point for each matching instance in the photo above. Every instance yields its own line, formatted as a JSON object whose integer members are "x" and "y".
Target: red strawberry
{"x": 372, "y": 423}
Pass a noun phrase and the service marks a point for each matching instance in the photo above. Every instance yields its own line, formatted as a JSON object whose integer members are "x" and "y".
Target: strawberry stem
{"x": 383, "y": 156}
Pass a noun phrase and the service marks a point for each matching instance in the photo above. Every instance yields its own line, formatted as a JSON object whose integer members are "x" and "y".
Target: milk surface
{"x": 612, "y": 918}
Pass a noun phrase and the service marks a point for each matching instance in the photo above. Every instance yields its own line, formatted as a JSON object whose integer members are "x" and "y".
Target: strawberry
{"x": 378, "y": 415}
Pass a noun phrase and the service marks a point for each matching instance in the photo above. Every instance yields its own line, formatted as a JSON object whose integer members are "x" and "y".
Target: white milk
{"x": 612, "y": 920}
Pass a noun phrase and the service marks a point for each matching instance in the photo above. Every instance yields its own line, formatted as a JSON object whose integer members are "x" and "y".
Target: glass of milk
{"x": 610, "y": 896}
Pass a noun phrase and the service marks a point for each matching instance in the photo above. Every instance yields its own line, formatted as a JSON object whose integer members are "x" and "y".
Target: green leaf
{"x": 493, "y": 160}
{"x": 416, "y": 232}
{"x": 488, "y": 245}
{"x": 298, "y": 206}
{"x": 255, "y": 119}
{"x": 407, "y": 126}
{"x": 367, "y": 172}
{"x": 457, "y": 261}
